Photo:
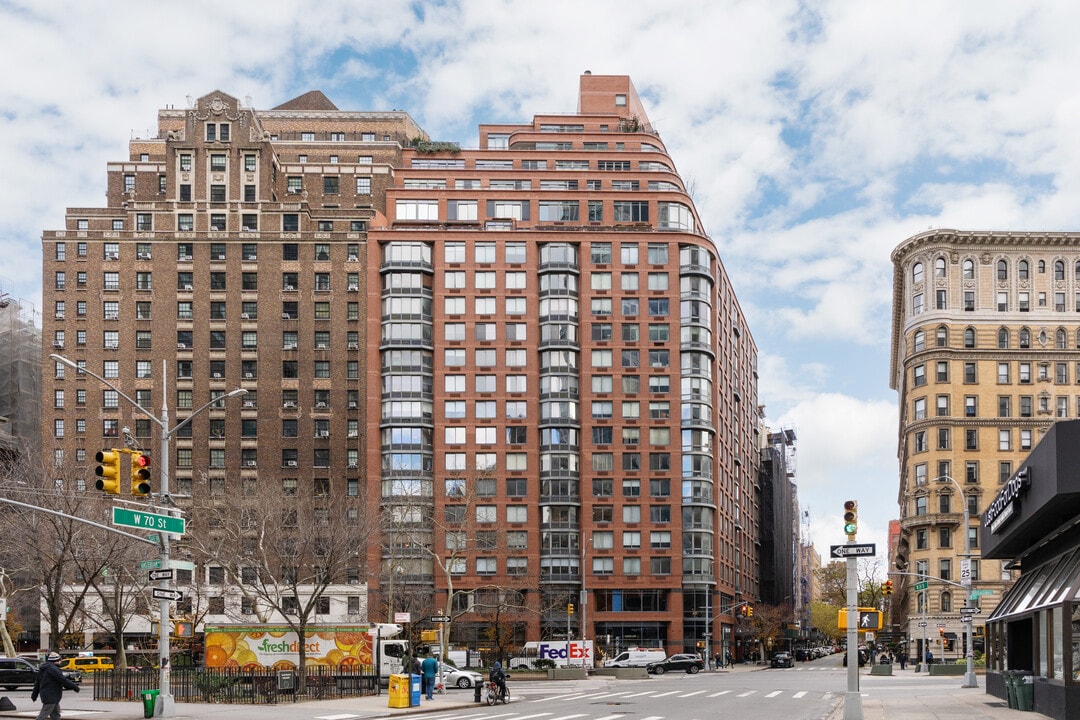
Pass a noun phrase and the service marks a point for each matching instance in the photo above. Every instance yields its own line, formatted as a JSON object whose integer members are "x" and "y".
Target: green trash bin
{"x": 149, "y": 697}
{"x": 1025, "y": 691}
{"x": 1010, "y": 688}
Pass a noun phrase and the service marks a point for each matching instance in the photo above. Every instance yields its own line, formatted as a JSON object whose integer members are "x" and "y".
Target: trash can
{"x": 1010, "y": 687}
{"x": 416, "y": 684}
{"x": 149, "y": 698}
{"x": 1025, "y": 690}
{"x": 398, "y": 691}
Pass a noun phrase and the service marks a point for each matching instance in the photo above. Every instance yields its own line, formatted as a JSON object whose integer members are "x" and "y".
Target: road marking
{"x": 696, "y": 692}
{"x": 556, "y": 697}
{"x": 799, "y": 694}
{"x": 527, "y": 717}
{"x": 569, "y": 717}
{"x": 653, "y": 717}
{"x": 346, "y": 716}
{"x": 774, "y": 693}
{"x": 611, "y": 717}
{"x": 718, "y": 694}
{"x": 615, "y": 694}
{"x": 672, "y": 692}
{"x": 647, "y": 692}
{"x": 748, "y": 693}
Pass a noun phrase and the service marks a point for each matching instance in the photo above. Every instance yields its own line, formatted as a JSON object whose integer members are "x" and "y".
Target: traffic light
{"x": 851, "y": 518}
{"x": 749, "y": 611}
{"x": 570, "y": 608}
{"x": 108, "y": 471}
{"x": 183, "y": 629}
{"x": 886, "y": 588}
{"x": 941, "y": 632}
{"x": 140, "y": 474}
{"x": 742, "y": 611}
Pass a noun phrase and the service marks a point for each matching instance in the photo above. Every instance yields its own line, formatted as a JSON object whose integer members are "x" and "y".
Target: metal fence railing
{"x": 239, "y": 686}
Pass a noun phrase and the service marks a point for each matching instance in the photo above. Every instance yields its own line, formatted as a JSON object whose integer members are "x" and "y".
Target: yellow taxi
{"x": 87, "y": 664}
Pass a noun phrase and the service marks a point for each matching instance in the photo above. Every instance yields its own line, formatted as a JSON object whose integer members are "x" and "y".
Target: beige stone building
{"x": 985, "y": 357}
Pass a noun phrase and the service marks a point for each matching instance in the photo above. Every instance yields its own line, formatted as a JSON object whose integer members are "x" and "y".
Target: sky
{"x": 814, "y": 137}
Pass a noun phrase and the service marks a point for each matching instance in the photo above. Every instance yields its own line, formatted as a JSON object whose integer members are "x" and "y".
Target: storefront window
{"x": 1057, "y": 645}
{"x": 1076, "y": 643}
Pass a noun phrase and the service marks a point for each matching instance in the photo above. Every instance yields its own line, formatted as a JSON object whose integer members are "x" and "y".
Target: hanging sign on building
{"x": 1007, "y": 503}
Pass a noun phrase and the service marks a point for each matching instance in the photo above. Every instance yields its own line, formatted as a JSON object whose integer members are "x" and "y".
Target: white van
{"x": 637, "y": 657}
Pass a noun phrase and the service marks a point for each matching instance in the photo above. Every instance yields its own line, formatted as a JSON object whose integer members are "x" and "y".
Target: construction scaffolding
{"x": 20, "y": 374}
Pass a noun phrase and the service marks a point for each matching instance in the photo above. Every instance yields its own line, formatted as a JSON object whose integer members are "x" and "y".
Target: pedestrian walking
{"x": 429, "y": 668}
{"x": 50, "y": 686}
{"x": 901, "y": 657}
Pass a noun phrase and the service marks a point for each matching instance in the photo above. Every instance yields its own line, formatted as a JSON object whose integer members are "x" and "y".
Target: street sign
{"x": 969, "y": 610}
{"x": 162, "y": 594}
{"x": 965, "y": 618}
{"x": 175, "y": 564}
{"x": 841, "y": 551}
{"x": 147, "y": 521}
{"x": 920, "y": 586}
{"x": 979, "y": 593}
{"x": 156, "y": 575}
{"x": 149, "y": 564}
{"x": 922, "y": 624}
{"x": 439, "y": 618}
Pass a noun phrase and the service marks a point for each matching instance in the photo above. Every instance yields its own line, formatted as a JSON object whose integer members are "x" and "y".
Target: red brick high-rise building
{"x": 526, "y": 359}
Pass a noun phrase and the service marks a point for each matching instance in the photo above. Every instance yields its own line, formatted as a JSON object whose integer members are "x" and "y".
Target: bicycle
{"x": 491, "y": 693}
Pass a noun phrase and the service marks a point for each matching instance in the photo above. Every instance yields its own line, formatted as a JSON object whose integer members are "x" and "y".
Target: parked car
{"x": 19, "y": 672}
{"x": 685, "y": 662}
{"x": 864, "y": 656}
{"x": 783, "y": 659}
{"x": 453, "y": 677}
{"x": 89, "y": 664}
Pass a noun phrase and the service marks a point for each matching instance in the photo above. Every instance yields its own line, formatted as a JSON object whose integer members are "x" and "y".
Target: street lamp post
{"x": 965, "y": 583}
{"x": 164, "y": 705}
{"x": 584, "y": 602}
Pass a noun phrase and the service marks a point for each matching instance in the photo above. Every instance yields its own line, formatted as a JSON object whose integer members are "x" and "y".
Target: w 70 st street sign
{"x": 843, "y": 551}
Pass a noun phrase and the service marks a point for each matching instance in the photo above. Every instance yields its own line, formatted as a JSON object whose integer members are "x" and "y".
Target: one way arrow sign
{"x": 843, "y": 551}
{"x": 156, "y": 575}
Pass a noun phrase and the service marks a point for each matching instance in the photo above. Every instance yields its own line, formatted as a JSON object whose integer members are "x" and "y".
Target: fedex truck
{"x": 575, "y": 653}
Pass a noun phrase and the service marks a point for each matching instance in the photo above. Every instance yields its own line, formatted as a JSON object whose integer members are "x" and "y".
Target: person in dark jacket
{"x": 50, "y": 686}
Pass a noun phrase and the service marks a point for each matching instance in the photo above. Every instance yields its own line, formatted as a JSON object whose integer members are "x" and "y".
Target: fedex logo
{"x": 552, "y": 652}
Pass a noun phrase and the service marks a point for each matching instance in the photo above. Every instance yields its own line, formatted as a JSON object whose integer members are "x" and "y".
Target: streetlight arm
{"x": 121, "y": 393}
{"x": 189, "y": 418}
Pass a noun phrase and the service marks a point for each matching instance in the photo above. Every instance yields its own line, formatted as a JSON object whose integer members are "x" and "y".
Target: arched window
{"x": 1025, "y": 338}
{"x": 1059, "y": 339}
{"x": 1042, "y": 266}
{"x": 969, "y": 337}
{"x": 1003, "y": 338}
{"x": 943, "y": 336}
{"x": 1003, "y": 270}
{"x": 969, "y": 269}
{"x": 1076, "y": 271}
{"x": 946, "y": 601}
{"x": 1022, "y": 269}
{"x": 919, "y": 341}
{"x": 1078, "y": 339}
{"x": 917, "y": 273}
{"x": 1059, "y": 270}
{"x": 939, "y": 267}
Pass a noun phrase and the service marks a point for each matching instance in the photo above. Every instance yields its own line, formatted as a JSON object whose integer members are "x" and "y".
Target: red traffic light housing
{"x": 140, "y": 474}
{"x": 887, "y": 588}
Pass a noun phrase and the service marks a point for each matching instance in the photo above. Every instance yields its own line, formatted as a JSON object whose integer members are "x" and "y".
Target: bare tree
{"x": 281, "y": 551}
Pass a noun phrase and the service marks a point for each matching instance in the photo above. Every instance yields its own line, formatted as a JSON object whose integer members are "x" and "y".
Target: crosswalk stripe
{"x": 557, "y": 697}
{"x": 673, "y": 692}
{"x": 653, "y": 717}
{"x": 747, "y": 693}
{"x": 718, "y": 694}
{"x": 774, "y": 693}
{"x": 696, "y": 692}
{"x": 799, "y": 694}
{"x": 647, "y": 692}
{"x": 529, "y": 717}
{"x": 611, "y": 717}
{"x": 569, "y": 717}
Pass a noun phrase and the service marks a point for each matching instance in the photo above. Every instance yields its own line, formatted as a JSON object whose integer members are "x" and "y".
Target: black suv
{"x": 20, "y": 672}
{"x": 688, "y": 663}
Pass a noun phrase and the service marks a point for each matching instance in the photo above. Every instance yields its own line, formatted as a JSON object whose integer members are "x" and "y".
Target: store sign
{"x": 1007, "y": 503}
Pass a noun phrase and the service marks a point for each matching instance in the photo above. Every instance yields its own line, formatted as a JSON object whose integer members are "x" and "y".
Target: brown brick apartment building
{"x": 526, "y": 359}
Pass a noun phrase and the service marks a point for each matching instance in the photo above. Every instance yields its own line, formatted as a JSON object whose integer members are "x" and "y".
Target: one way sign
{"x": 843, "y": 551}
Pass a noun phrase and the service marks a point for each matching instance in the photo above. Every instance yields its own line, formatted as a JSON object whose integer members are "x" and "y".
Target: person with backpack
{"x": 498, "y": 678}
{"x": 50, "y": 686}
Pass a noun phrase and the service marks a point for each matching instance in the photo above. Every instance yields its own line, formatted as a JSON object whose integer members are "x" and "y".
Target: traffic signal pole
{"x": 853, "y": 698}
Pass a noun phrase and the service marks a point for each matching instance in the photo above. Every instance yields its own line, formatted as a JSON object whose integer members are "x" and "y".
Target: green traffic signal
{"x": 851, "y": 518}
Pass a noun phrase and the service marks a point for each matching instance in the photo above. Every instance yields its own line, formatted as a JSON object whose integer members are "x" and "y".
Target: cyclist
{"x": 498, "y": 678}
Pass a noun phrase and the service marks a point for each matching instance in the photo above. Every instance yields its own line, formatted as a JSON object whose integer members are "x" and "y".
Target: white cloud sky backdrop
{"x": 815, "y": 136}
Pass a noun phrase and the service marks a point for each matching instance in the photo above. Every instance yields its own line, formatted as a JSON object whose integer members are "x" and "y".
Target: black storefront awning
{"x": 1049, "y": 584}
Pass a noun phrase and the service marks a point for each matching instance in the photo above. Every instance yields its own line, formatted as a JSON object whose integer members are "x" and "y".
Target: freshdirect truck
{"x": 278, "y": 647}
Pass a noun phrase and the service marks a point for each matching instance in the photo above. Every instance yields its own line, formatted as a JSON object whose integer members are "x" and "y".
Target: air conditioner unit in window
{"x": 290, "y": 463}
{"x": 58, "y": 344}
{"x": 59, "y": 316}
{"x": 288, "y": 404}
{"x": 321, "y": 405}
{"x": 249, "y": 403}
{"x": 354, "y": 288}
{"x": 188, "y": 288}
{"x": 352, "y": 404}
{"x": 112, "y": 346}
{"x": 353, "y": 258}
{"x": 251, "y": 463}
{"x": 112, "y": 256}
{"x": 245, "y": 316}
{"x": 184, "y": 258}
{"x": 354, "y": 346}
{"x": 321, "y": 346}
{"x": 324, "y": 433}
{"x": 249, "y": 375}
{"x": 286, "y": 316}
{"x": 143, "y": 256}
{"x": 217, "y": 376}
{"x": 181, "y": 346}
{"x": 290, "y": 346}
{"x": 216, "y": 227}
{"x": 289, "y": 287}
{"x": 353, "y": 465}
{"x": 112, "y": 316}
{"x": 219, "y": 257}
{"x": 295, "y": 190}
